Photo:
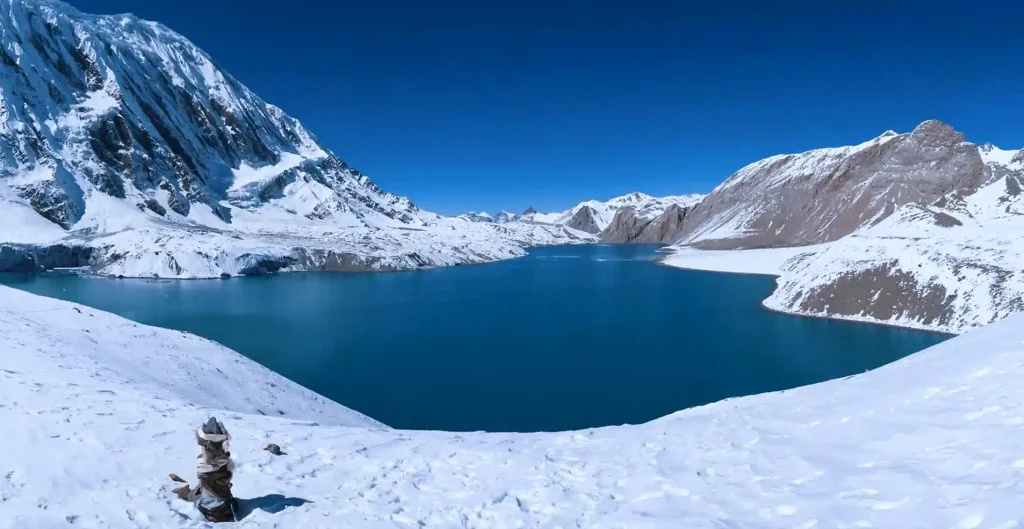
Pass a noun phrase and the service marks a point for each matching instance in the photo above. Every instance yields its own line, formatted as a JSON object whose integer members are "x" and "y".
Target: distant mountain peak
{"x": 936, "y": 129}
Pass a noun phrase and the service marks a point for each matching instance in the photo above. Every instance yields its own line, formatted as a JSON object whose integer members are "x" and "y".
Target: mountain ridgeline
{"x": 632, "y": 218}
{"x": 137, "y": 112}
{"x": 825, "y": 194}
{"x": 921, "y": 229}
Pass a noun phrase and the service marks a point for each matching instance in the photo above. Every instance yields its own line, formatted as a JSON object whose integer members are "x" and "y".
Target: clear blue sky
{"x": 507, "y": 104}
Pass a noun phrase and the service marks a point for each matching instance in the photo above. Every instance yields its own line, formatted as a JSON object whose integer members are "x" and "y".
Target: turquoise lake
{"x": 566, "y": 338}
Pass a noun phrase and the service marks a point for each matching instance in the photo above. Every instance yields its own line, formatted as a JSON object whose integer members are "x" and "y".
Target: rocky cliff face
{"x": 632, "y": 226}
{"x": 584, "y": 220}
{"x": 825, "y": 194}
{"x": 615, "y": 220}
{"x": 111, "y": 123}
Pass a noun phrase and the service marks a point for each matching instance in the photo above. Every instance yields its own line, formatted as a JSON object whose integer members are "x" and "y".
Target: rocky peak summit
{"x": 935, "y": 132}
{"x": 825, "y": 194}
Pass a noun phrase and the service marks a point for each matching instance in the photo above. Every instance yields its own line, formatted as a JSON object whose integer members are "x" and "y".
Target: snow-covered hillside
{"x": 98, "y": 410}
{"x": 593, "y": 216}
{"x": 948, "y": 268}
{"x": 588, "y": 221}
{"x": 657, "y": 221}
{"x": 120, "y": 138}
{"x": 527, "y": 233}
{"x": 913, "y": 257}
{"x": 825, "y": 194}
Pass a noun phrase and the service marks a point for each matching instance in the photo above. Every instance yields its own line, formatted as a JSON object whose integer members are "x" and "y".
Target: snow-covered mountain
{"x": 589, "y": 221}
{"x": 473, "y": 216}
{"x": 825, "y": 194}
{"x": 504, "y": 217}
{"x": 501, "y": 217}
{"x": 107, "y": 407}
{"x": 123, "y": 141}
{"x": 925, "y": 230}
{"x": 656, "y": 221}
{"x": 950, "y": 266}
{"x": 594, "y": 217}
{"x": 525, "y": 233}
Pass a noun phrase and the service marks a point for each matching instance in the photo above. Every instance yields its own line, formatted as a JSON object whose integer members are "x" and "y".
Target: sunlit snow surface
{"x": 97, "y": 410}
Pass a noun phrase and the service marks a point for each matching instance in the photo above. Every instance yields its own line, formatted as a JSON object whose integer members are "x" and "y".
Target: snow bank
{"x": 768, "y": 261}
{"x": 97, "y": 410}
{"x": 57, "y": 340}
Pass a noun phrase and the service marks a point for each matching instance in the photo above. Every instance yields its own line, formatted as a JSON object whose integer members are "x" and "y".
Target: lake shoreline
{"x": 454, "y": 350}
{"x": 845, "y": 319}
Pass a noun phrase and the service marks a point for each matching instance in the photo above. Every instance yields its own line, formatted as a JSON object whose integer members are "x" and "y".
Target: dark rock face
{"x": 1013, "y": 184}
{"x": 823, "y": 195}
{"x": 625, "y": 227}
{"x": 529, "y": 211}
{"x": 628, "y": 227}
{"x": 263, "y": 265}
{"x": 584, "y": 221}
{"x": 319, "y": 260}
{"x": 30, "y": 258}
{"x": 666, "y": 227}
{"x": 155, "y": 207}
{"x": 884, "y": 290}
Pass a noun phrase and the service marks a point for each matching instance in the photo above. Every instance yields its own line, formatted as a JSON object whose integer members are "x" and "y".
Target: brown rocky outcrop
{"x": 629, "y": 227}
{"x": 825, "y": 194}
{"x": 584, "y": 221}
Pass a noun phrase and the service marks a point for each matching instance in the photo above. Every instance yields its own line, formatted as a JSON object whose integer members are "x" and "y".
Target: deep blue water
{"x": 568, "y": 337}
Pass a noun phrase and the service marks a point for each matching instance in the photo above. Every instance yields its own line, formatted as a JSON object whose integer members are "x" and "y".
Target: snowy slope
{"x": 920, "y": 230}
{"x": 473, "y": 216}
{"x": 763, "y": 261}
{"x": 107, "y": 407}
{"x": 118, "y": 135}
{"x": 948, "y": 268}
{"x": 535, "y": 234}
{"x": 1009, "y": 159}
{"x": 602, "y": 213}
